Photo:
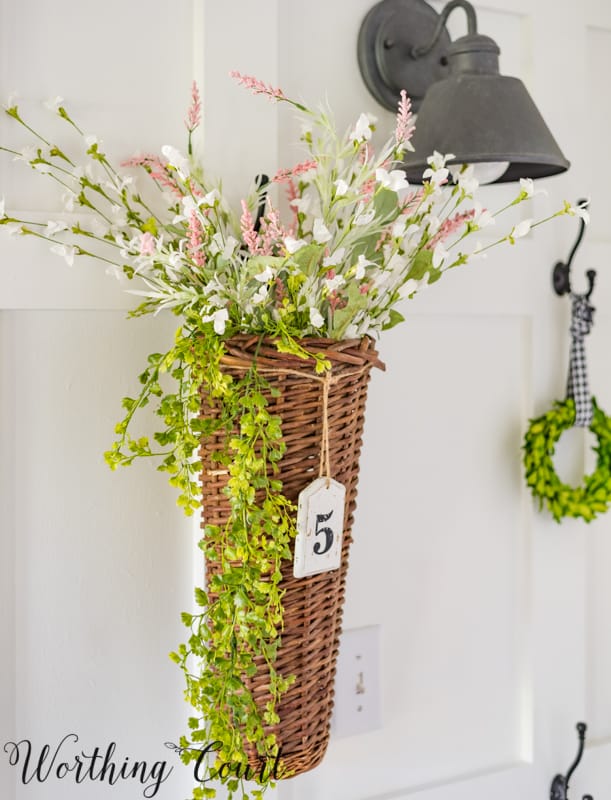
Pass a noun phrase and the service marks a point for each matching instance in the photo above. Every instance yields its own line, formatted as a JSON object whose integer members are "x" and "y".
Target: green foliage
{"x": 240, "y": 620}
{"x": 562, "y": 500}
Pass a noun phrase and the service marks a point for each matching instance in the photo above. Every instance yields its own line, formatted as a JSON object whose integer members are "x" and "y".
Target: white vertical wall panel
{"x": 439, "y": 559}
{"x": 595, "y": 132}
{"x": 102, "y": 559}
{"x": 7, "y": 542}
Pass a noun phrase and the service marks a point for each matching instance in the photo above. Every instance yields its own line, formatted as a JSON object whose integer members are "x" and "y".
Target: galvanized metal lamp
{"x": 464, "y": 105}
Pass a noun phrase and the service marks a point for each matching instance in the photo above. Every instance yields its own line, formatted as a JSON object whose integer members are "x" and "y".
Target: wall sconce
{"x": 464, "y": 105}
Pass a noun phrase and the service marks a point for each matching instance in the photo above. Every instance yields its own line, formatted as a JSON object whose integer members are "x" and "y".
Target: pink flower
{"x": 412, "y": 199}
{"x": 405, "y": 121}
{"x": 195, "y": 109}
{"x": 157, "y": 169}
{"x": 196, "y": 240}
{"x": 249, "y": 234}
{"x": 147, "y": 244}
{"x": 284, "y": 175}
{"x": 368, "y": 188}
{"x": 385, "y": 236}
{"x": 258, "y": 87}
{"x": 448, "y": 227}
{"x": 273, "y": 232}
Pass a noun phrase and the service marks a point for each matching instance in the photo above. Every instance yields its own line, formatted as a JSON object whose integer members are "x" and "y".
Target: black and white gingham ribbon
{"x": 577, "y": 387}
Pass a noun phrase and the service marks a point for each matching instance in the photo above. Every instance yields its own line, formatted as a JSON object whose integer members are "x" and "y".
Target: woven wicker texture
{"x": 312, "y": 605}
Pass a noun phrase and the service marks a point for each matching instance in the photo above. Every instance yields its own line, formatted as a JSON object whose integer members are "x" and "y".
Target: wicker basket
{"x": 312, "y": 605}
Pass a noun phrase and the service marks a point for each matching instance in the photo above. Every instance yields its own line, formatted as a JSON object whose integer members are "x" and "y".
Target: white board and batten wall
{"x": 495, "y": 621}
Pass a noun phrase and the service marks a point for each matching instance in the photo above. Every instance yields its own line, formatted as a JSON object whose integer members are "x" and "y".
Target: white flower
{"x": 395, "y": 267}
{"x": 341, "y": 188}
{"x": 177, "y": 160}
{"x": 265, "y": 276}
{"x": 398, "y": 227}
{"x": 394, "y": 180}
{"x": 66, "y": 251}
{"x": 54, "y": 227}
{"x": 98, "y": 228}
{"x": 438, "y": 161}
{"x": 527, "y": 185}
{"x": 12, "y": 228}
{"x": 436, "y": 176}
{"x": 363, "y": 129}
{"x": 2, "y": 209}
{"x": 26, "y": 154}
{"x": 433, "y": 222}
{"x": 409, "y": 287}
{"x": 68, "y": 199}
{"x": 361, "y": 265}
{"x": 580, "y": 211}
{"x": 12, "y": 99}
{"x": 437, "y": 172}
{"x": 53, "y": 104}
{"x": 316, "y": 318}
{"x": 230, "y": 247}
{"x": 210, "y": 199}
{"x": 117, "y": 185}
{"x": 482, "y": 217}
{"x": 119, "y": 215}
{"x": 43, "y": 168}
{"x": 219, "y": 318}
{"x": 521, "y": 229}
{"x": 113, "y": 271}
{"x": 91, "y": 139}
{"x": 362, "y": 217}
{"x": 293, "y": 245}
{"x": 260, "y": 296}
{"x": 334, "y": 282}
{"x": 467, "y": 180}
{"x": 320, "y": 232}
{"x": 439, "y": 256}
{"x": 301, "y": 204}
{"x": 216, "y": 244}
{"x": 335, "y": 258}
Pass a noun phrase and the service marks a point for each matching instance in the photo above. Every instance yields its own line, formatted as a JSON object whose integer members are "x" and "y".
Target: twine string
{"x": 325, "y": 458}
{"x": 577, "y": 383}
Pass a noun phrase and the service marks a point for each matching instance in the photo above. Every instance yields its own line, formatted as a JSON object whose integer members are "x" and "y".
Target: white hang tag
{"x": 320, "y": 528}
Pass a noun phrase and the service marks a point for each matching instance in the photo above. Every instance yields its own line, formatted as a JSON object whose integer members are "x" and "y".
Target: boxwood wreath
{"x": 360, "y": 241}
{"x": 592, "y": 497}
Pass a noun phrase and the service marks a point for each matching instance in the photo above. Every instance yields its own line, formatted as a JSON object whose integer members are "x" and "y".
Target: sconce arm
{"x": 423, "y": 50}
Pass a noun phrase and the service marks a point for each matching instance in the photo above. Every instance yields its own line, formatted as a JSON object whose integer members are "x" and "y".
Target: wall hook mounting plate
{"x": 386, "y": 38}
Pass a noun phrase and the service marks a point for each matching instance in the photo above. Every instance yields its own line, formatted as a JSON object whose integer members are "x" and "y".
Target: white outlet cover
{"x": 358, "y": 699}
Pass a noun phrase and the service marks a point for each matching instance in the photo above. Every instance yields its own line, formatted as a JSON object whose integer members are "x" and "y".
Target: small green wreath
{"x": 594, "y": 495}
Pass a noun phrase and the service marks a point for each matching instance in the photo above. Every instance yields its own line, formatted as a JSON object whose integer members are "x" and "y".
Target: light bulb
{"x": 483, "y": 171}
{"x": 489, "y": 171}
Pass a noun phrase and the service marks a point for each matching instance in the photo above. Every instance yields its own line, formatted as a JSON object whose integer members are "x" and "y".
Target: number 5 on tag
{"x": 320, "y": 527}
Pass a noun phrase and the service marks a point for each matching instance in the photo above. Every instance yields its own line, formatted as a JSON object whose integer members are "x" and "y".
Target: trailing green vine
{"x": 562, "y": 500}
{"x": 241, "y": 615}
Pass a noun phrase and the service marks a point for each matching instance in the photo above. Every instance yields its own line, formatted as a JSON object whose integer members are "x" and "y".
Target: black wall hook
{"x": 261, "y": 183}
{"x": 562, "y": 272}
{"x": 560, "y": 784}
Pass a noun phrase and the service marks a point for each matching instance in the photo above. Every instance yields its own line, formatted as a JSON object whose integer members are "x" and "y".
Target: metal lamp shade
{"x": 484, "y": 118}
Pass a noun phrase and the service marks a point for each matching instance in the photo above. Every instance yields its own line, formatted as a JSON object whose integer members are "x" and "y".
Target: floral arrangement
{"x": 358, "y": 241}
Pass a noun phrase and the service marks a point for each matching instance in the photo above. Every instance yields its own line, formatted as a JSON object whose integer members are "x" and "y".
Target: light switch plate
{"x": 358, "y": 705}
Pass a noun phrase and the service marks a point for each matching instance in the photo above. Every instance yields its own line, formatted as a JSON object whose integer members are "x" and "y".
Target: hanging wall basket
{"x": 312, "y": 605}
